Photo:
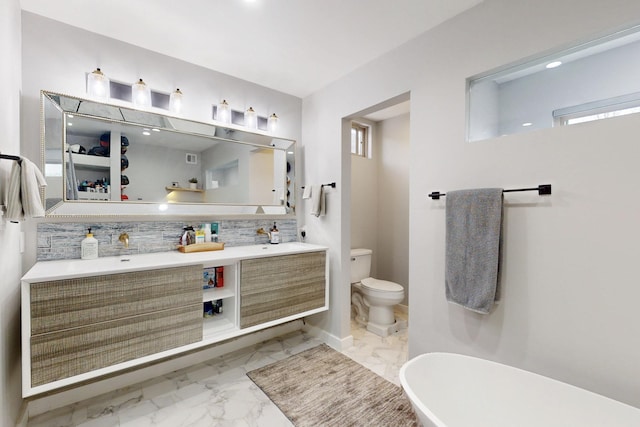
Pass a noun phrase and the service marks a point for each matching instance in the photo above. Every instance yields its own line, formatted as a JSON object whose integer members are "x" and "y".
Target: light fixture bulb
{"x": 554, "y": 64}
{"x": 175, "y": 102}
{"x": 223, "y": 113}
{"x": 272, "y": 123}
{"x": 98, "y": 85}
{"x": 140, "y": 94}
{"x": 251, "y": 119}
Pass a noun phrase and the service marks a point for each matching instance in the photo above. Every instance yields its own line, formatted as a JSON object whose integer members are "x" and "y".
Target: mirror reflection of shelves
{"x": 85, "y": 160}
{"x": 93, "y": 195}
{"x": 193, "y": 190}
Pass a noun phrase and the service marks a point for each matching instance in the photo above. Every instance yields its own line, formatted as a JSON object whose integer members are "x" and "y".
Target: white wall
{"x": 10, "y": 259}
{"x": 364, "y": 200}
{"x": 393, "y": 202}
{"x": 569, "y": 279}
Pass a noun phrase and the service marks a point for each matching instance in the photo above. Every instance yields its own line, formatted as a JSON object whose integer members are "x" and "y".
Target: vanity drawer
{"x": 275, "y": 287}
{"x": 70, "y": 303}
{"x": 70, "y": 352}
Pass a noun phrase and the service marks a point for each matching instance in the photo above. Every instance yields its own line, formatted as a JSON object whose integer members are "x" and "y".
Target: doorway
{"x": 379, "y": 202}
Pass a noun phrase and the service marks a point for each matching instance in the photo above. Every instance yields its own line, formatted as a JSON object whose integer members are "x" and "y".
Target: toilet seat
{"x": 383, "y": 286}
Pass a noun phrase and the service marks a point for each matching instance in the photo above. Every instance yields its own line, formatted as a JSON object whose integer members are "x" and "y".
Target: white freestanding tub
{"x": 453, "y": 390}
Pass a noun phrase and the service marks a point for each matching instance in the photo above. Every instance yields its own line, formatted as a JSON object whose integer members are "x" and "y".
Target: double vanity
{"x": 83, "y": 319}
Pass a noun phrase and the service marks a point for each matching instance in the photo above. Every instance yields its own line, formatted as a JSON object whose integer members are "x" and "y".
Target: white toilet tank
{"x": 360, "y": 264}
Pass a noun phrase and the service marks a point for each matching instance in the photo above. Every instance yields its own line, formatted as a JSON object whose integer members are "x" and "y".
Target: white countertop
{"x": 65, "y": 269}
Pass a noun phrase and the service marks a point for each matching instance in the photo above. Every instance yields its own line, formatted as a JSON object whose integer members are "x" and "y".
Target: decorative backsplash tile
{"x": 62, "y": 240}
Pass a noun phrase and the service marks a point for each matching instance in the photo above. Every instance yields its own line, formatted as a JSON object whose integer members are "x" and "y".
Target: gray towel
{"x": 474, "y": 225}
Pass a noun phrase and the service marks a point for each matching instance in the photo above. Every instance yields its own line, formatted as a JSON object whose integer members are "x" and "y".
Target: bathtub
{"x": 452, "y": 390}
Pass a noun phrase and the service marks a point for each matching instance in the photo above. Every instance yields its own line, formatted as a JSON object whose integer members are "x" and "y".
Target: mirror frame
{"x": 233, "y": 134}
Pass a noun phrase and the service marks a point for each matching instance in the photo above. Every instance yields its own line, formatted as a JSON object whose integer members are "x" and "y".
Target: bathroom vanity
{"x": 83, "y": 319}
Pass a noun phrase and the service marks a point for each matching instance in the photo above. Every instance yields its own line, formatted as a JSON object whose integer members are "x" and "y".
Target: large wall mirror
{"x": 102, "y": 159}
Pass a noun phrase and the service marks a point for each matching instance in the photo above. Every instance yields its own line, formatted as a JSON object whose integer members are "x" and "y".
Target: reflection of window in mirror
{"x": 360, "y": 135}
{"x": 591, "y": 81}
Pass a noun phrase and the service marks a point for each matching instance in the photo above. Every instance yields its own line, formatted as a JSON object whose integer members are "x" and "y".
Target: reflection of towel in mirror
{"x": 317, "y": 200}
{"x": 473, "y": 236}
{"x": 23, "y": 193}
{"x": 71, "y": 184}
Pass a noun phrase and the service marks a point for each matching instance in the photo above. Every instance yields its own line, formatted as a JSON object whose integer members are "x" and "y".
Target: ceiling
{"x": 294, "y": 46}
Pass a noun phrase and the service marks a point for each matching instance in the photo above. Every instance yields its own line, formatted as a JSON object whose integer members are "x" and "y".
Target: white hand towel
{"x": 23, "y": 193}
{"x": 306, "y": 194}
{"x": 31, "y": 181}
{"x": 317, "y": 201}
{"x": 12, "y": 195}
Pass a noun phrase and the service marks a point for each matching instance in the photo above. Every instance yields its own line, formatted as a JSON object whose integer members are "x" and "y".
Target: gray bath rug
{"x": 322, "y": 387}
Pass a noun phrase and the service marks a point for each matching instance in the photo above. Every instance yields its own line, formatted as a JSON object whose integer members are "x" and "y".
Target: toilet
{"x": 374, "y": 299}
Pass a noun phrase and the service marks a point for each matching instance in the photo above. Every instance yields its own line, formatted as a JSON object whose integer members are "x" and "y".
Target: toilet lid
{"x": 381, "y": 285}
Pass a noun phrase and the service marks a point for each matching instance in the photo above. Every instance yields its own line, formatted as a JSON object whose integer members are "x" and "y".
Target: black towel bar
{"x": 543, "y": 190}
{"x": 9, "y": 157}
{"x": 331, "y": 184}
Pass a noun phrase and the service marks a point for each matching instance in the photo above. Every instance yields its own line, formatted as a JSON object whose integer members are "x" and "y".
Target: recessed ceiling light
{"x": 155, "y": 130}
{"x": 554, "y": 64}
{"x": 527, "y": 124}
{"x": 147, "y": 133}
{"x": 69, "y": 124}
{"x": 70, "y": 116}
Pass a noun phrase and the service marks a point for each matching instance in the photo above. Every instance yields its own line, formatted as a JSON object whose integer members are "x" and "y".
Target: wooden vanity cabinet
{"x": 280, "y": 286}
{"x": 87, "y": 323}
{"x": 84, "y": 320}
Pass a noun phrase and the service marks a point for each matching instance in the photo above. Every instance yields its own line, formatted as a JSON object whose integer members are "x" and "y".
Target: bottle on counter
{"x": 89, "y": 246}
{"x": 274, "y": 235}
{"x": 207, "y": 232}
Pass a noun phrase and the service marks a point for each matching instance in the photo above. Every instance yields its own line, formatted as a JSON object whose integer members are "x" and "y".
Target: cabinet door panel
{"x": 68, "y": 303}
{"x": 275, "y": 287}
{"x": 70, "y": 352}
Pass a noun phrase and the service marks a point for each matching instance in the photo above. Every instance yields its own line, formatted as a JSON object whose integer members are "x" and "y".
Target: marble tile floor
{"x": 218, "y": 393}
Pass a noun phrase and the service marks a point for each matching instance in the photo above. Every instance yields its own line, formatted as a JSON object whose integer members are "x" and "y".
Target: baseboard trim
{"x": 402, "y": 308}
{"x": 40, "y": 405}
{"x": 23, "y": 415}
{"x": 331, "y": 340}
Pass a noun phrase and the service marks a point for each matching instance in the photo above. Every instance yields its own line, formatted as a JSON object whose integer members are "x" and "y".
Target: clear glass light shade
{"x": 140, "y": 94}
{"x": 223, "y": 113}
{"x": 251, "y": 119}
{"x": 98, "y": 85}
{"x": 175, "y": 102}
{"x": 272, "y": 123}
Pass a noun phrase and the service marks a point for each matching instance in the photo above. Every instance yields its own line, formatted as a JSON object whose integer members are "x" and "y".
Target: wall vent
{"x": 192, "y": 159}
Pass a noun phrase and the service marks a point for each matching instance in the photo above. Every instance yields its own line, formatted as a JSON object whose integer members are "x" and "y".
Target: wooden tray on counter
{"x": 202, "y": 247}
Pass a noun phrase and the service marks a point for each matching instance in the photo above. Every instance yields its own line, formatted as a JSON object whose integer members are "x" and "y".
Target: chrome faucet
{"x": 124, "y": 238}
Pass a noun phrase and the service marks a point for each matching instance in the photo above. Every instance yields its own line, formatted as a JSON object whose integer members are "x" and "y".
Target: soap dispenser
{"x": 274, "y": 235}
{"x": 89, "y": 246}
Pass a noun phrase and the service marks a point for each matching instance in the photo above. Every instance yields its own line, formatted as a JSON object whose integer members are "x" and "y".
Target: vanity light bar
{"x": 237, "y": 118}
